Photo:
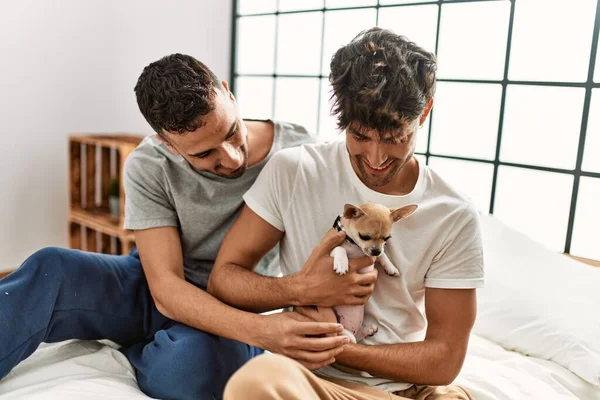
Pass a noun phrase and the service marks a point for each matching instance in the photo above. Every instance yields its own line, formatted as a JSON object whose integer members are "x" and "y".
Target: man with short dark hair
{"x": 184, "y": 189}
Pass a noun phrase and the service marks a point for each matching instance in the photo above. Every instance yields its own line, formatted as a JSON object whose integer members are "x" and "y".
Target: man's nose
{"x": 230, "y": 157}
{"x": 376, "y": 156}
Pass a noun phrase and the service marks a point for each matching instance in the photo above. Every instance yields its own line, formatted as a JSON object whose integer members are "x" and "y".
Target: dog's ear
{"x": 352, "y": 212}
{"x": 402, "y": 212}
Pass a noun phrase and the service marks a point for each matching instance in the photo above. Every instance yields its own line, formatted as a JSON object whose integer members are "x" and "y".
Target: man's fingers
{"x": 307, "y": 311}
{"x": 362, "y": 291}
{"x": 314, "y": 367}
{"x": 315, "y": 357}
{"x": 331, "y": 240}
{"x": 308, "y": 327}
{"x": 356, "y": 264}
{"x": 356, "y": 300}
{"x": 323, "y": 343}
{"x": 368, "y": 278}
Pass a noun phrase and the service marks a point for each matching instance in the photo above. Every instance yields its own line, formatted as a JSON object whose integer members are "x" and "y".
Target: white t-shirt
{"x": 302, "y": 190}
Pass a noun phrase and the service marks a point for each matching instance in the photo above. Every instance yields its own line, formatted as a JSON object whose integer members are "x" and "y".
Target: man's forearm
{"x": 425, "y": 363}
{"x": 185, "y": 303}
{"x": 252, "y": 292}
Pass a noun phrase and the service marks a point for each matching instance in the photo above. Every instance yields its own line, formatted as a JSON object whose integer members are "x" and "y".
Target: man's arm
{"x": 438, "y": 359}
{"x": 284, "y": 333}
{"x": 234, "y": 282}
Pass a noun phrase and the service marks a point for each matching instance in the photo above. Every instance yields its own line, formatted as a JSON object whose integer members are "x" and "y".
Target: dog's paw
{"x": 366, "y": 331}
{"x": 392, "y": 271}
{"x": 340, "y": 265}
{"x": 371, "y": 330}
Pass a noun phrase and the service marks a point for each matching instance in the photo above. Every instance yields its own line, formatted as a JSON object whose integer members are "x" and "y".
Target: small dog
{"x": 368, "y": 227}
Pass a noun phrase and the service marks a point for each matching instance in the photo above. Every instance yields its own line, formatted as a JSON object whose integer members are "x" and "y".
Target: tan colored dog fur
{"x": 370, "y": 227}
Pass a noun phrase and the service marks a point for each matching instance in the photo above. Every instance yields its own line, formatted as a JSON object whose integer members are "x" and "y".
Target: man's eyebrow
{"x": 356, "y": 132}
{"x": 230, "y": 132}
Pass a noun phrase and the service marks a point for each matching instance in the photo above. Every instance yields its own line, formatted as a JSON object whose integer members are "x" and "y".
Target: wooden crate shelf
{"x": 95, "y": 160}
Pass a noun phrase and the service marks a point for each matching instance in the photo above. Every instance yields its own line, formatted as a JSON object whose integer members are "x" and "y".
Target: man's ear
{"x": 352, "y": 212}
{"x": 426, "y": 112}
{"x": 227, "y": 91}
{"x": 398, "y": 213}
{"x": 167, "y": 143}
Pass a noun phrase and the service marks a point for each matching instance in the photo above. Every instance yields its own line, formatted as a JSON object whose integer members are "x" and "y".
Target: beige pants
{"x": 274, "y": 377}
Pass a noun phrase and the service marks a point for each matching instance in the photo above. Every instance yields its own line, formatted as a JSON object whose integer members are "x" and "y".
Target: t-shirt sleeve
{"x": 147, "y": 203}
{"x": 269, "y": 197}
{"x": 459, "y": 264}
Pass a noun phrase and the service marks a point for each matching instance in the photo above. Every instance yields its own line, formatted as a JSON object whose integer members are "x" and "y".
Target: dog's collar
{"x": 339, "y": 227}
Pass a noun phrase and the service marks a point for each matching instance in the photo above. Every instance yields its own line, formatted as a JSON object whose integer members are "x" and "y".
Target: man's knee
{"x": 193, "y": 364}
{"x": 47, "y": 261}
{"x": 268, "y": 376}
{"x": 212, "y": 356}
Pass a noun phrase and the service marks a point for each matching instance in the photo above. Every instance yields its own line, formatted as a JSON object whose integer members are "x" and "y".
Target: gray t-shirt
{"x": 162, "y": 189}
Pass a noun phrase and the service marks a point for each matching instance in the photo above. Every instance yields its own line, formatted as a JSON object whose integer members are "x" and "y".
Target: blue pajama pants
{"x": 59, "y": 294}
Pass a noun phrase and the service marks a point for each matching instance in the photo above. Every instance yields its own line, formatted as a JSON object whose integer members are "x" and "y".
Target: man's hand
{"x": 317, "y": 314}
{"x": 321, "y": 286}
{"x": 313, "y": 344}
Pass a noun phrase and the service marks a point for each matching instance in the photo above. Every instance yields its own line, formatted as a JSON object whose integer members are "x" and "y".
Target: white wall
{"x": 70, "y": 66}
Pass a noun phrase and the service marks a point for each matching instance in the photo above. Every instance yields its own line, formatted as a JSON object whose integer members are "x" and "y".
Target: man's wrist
{"x": 294, "y": 285}
{"x": 349, "y": 353}
{"x": 252, "y": 331}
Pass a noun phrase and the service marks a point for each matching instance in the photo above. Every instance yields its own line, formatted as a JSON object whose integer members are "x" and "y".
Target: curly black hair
{"x": 381, "y": 79}
{"x": 175, "y": 92}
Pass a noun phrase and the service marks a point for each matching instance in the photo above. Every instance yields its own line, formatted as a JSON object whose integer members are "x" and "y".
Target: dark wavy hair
{"x": 175, "y": 92}
{"x": 380, "y": 79}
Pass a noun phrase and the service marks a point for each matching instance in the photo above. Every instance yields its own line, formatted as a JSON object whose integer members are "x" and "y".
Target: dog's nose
{"x": 375, "y": 252}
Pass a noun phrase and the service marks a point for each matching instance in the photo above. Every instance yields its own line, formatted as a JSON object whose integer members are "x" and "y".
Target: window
{"x": 516, "y": 120}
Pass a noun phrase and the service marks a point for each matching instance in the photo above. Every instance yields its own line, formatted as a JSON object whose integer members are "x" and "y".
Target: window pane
{"x": 465, "y": 120}
{"x": 591, "y": 155}
{"x": 299, "y": 48}
{"x": 341, "y": 27}
{"x": 382, "y": 2}
{"x": 597, "y": 67}
{"x": 535, "y": 202}
{"x": 473, "y": 40}
{"x": 327, "y": 123}
{"x": 472, "y": 178}
{"x": 541, "y": 125}
{"x": 417, "y": 23}
{"x": 585, "y": 230}
{"x": 296, "y": 101}
{"x": 293, "y": 5}
{"x": 255, "y": 97}
{"x": 256, "y": 45}
{"x": 421, "y": 159}
{"x": 349, "y": 3}
{"x": 551, "y": 40}
{"x": 256, "y": 6}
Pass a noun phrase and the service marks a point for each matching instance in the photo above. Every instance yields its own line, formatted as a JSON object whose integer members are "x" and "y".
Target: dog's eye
{"x": 364, "y": 237}
{"x": 387, "y": 238}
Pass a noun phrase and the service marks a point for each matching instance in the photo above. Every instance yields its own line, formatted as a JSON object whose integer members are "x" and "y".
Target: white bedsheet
{"x": 72, "y": 370}
{"x": 91, "y": 370}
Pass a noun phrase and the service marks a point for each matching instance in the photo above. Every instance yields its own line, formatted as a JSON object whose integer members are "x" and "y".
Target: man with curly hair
{"x": 383, "y": 87}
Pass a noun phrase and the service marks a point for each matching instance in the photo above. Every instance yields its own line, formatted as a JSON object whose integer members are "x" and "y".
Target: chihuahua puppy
{"x": 368, "y": 227}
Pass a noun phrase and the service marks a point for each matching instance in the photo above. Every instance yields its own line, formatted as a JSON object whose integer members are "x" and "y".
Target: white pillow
{"x": 539, "y": 302}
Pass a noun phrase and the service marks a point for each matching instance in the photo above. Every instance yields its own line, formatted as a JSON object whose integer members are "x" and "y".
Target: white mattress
{"x": 92, "y": 370}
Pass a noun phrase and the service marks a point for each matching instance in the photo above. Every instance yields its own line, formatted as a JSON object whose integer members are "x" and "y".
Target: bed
{"x": 537, "y": 336}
